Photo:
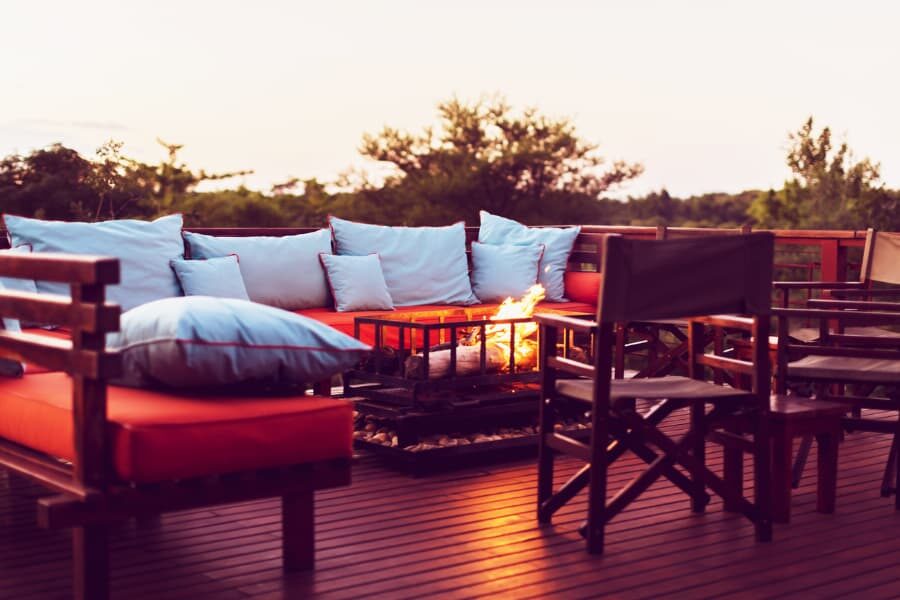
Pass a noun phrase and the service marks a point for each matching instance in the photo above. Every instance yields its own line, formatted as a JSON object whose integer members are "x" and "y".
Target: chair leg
{"x": 890, "y": 480}
{"x": 298, "y": 530}
{"x": 782, "y": 446}
{"x": 896, "y": 446}
{"x": 762, "y": 479}
{"x": 596, "y": 521}
{"x": 545, "y": 460}
{"x": 827, "y": 466}
{"x": 698, "y": 425}
{"x": 90, "y": 561}
{"x": 800, "y": 461}
{"x": 733, "y": 472}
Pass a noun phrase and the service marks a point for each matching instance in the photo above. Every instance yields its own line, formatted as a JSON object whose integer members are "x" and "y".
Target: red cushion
{"x": 157, "y": 436}
{"x": 431, "y": 313}
{"x": 583, "y": 286}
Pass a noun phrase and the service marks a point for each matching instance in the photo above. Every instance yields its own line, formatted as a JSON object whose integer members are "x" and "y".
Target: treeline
{"x": 58, "y": 183}
{"x": 522, "y": 165}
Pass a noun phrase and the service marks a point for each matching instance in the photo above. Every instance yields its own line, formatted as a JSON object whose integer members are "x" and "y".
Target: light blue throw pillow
{"x": 278, "y": 271}
{"x": 144, "y": 249}
{"x": 217, "y": 277}
{"x": 198, "y": 341}
{"x": 357, "y": 282}
{"x": 503, "y": 271}
{"x": 421, "y": 265}
{"x": 558, "y": 243}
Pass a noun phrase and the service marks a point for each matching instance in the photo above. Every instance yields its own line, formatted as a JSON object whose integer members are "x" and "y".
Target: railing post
{"x": 831, "y": 261}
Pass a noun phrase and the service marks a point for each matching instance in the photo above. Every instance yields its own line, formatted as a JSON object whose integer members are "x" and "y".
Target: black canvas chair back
{"x": 645, "y": 280}
{"x": 884, "y": 259}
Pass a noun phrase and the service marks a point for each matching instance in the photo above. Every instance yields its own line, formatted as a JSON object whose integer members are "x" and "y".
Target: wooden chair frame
{"x": 861, "y": 288}
{"x": 852, "y": 346}
{"x": 617, "y": 427}
{"x": 88, "y": 496}
{"x": 629, "y": 431}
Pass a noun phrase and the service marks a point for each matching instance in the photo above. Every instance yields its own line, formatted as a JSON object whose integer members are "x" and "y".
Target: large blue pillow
{"x": 557, "y": 241}
{"x": 144, "y": 249}
{"x": 199, "y": 341}
{"x": 278, "y": 271}
{"x": 421, "y": 265}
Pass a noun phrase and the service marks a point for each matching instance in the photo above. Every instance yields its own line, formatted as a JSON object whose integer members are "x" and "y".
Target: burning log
{"x": 468, "y": 362}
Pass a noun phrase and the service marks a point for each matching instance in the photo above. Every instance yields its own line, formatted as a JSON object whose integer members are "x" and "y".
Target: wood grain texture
{"x": 473, "y": 533}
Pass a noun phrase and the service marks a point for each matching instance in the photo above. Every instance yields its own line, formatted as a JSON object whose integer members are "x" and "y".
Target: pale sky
{"x": 702, "y": 93}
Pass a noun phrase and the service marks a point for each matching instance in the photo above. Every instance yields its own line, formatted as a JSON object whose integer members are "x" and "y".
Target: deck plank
{"x": 472, "y": 533}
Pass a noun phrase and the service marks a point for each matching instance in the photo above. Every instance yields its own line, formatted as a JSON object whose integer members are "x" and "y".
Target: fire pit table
{"x": 444, "y": 388}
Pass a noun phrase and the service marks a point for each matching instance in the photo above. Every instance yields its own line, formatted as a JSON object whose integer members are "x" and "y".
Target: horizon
{"x": 709, "y": 93}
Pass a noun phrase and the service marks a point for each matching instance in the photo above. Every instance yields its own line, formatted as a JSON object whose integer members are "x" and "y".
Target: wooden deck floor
{"x": 472, "y": 533}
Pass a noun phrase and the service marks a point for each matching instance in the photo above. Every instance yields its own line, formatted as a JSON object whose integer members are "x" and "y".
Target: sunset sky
{"x": 703, "y": 93}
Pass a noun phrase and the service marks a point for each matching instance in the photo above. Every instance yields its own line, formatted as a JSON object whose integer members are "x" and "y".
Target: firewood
{"x": 468, "y": 362}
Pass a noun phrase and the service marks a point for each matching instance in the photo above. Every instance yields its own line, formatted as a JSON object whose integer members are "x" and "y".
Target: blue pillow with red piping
{"x": 201, "y": 341}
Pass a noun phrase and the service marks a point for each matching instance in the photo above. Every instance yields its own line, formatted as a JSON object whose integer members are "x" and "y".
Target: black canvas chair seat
{"x": 671, "y": 387}
{"x": 845, "y": 368}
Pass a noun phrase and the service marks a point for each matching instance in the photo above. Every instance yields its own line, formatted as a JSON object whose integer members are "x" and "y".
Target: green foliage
{"x": 828, "y": 190}
{"x": 484, "y": 156}
{"x": 52, "y": 183}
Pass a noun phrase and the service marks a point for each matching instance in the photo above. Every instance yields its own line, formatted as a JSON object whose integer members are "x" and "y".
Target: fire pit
{"x": 444, "y": 388}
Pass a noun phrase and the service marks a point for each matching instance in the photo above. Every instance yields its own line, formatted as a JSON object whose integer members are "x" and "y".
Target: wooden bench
{"x": 90, "y": 490}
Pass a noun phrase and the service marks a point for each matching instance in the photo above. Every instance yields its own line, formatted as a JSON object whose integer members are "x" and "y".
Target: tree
{"x": 58, "y": 183}
{"x": 170, "y": 180}
{"x": 829, "y": 189}
{"x": 50, "y": 183}
{"x": 484, "y": 155}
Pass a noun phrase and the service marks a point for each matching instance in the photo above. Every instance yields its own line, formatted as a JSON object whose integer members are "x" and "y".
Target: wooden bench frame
{"x": 88, "y": 496}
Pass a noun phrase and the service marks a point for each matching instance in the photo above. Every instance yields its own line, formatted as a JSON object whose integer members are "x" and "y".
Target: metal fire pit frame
{"x": 443, "y": 332}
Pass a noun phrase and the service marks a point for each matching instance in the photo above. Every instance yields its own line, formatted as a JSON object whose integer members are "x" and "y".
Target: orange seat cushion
{"x": 156, "y": 436}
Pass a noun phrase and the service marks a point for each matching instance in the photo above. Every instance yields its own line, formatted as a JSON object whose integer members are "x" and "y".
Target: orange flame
{"x": 526, "y": 345}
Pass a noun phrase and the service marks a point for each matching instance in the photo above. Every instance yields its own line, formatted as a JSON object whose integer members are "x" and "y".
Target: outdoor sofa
{"x": 111, "y": 452}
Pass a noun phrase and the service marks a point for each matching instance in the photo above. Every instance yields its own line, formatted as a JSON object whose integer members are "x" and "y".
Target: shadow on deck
{"x": 473, "y": 533}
